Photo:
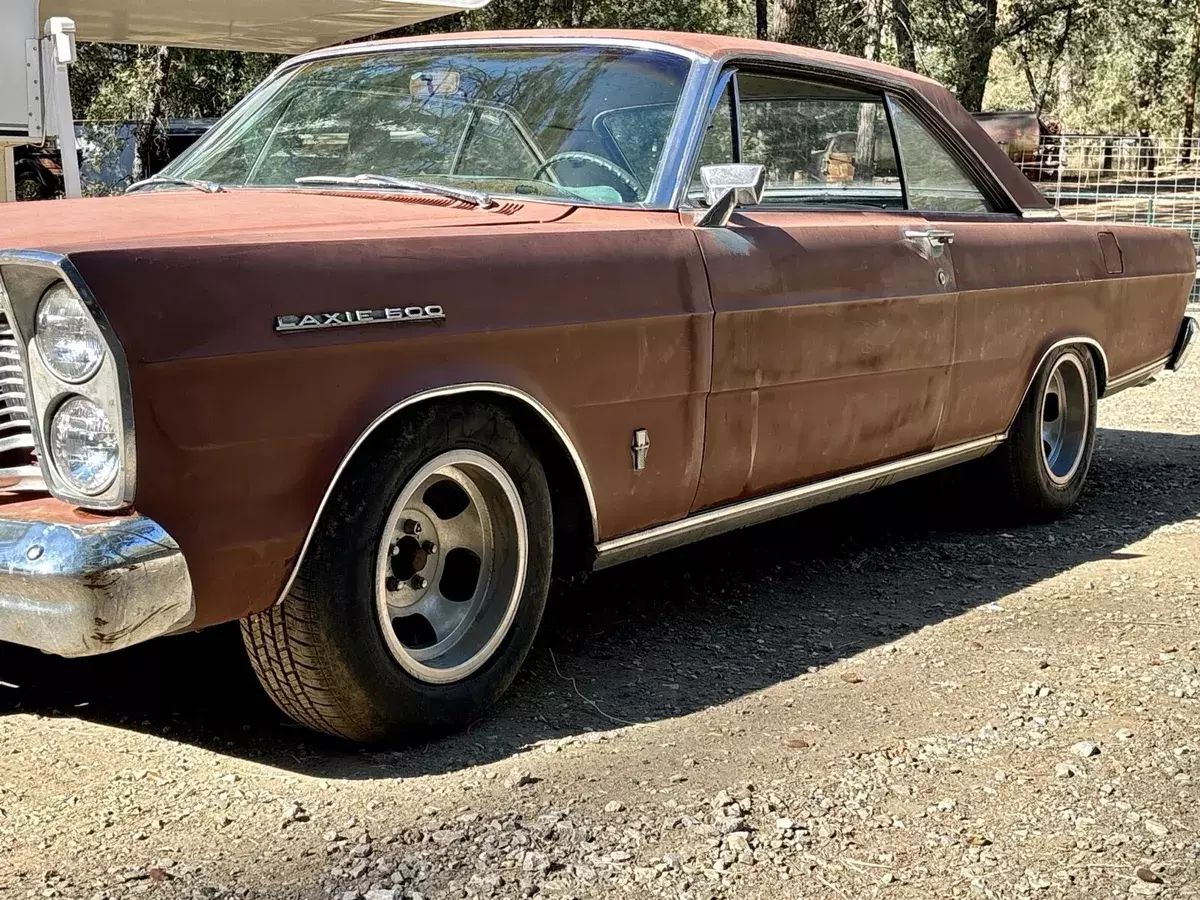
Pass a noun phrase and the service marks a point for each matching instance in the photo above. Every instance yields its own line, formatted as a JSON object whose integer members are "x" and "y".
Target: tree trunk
{"x": 979, "y": 45}
{"x": 906, "y": 50}
{"x": 1189, "y": 98}
{"x": 762, "y": 15}
{"x": 150, "y": 141}
{"x": 872, "y": 28}
{"x": 864, "y": 146}
{"x": 796, "y": 22}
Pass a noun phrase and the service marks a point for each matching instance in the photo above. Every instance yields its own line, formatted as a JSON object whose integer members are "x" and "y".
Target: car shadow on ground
{"x": 667, "y": 636}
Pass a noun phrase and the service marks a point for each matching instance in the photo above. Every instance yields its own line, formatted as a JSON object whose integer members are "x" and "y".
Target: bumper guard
{"x": 1185, "y": 344}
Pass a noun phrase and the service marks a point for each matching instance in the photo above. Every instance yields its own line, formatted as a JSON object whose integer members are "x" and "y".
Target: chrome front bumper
{"x": 77, "y": 587}
{"x": 1185, "y": 344}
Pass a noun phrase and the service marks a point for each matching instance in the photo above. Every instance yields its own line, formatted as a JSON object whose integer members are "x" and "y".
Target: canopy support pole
{"x": 60, "y": 35}
{"x": 8, "y": 175}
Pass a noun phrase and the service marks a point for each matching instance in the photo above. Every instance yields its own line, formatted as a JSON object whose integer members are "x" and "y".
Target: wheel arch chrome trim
{"x": 1102, "y": 377}
{"x": 456, "y": 390}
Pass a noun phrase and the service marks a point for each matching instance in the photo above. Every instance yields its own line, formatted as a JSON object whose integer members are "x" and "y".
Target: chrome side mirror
{"x": 728, "y": 187}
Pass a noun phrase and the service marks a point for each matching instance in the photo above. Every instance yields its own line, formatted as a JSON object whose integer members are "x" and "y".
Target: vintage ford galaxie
{"x": 422, "y": 323}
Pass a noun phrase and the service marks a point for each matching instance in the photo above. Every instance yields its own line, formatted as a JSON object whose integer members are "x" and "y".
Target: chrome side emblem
{"x": 344, "y": 318}
{"x": 640, "y": 448}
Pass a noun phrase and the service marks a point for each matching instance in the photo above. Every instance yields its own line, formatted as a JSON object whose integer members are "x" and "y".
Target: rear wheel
{"x": 1046, "y": 458}
{"x": 424, "y": 586}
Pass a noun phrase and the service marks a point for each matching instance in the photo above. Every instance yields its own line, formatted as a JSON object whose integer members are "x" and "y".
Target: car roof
{"x": 713, "y": 46}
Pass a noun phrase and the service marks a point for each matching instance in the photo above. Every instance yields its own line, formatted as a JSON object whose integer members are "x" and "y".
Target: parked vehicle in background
{"x": 1028, "y": 140}
{"x": 106, "y": 157}
{"x": 424, "y": 322}
{"x": 38, "y": 171}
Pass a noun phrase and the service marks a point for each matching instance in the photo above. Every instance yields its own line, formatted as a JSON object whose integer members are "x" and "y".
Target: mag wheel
{"x": 451, "y": 566}
{"x": 1065, "y": 418}
{"x": 1045, "y": 460}
{"x": 424, "y": 586}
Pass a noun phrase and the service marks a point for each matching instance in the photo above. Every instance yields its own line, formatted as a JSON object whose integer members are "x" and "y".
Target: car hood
{"x": 191, "y": 218}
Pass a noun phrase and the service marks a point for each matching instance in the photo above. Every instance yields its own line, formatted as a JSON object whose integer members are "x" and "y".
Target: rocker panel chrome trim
{"x": 1136, "y": 377}
{"x": 482, "y": 387}
{"x": 762, "y": 509}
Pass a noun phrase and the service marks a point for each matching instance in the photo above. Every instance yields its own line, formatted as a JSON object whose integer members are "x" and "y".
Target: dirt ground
{"x": 896, "y": 697}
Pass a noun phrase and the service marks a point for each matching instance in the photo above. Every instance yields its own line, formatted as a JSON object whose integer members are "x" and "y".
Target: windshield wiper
{"x": 479, "y": 198}
{"x": 208, "y": 187}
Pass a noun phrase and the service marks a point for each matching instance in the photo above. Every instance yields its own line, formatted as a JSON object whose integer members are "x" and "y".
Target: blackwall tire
{"x": 1045, "y": 461}
{"x": 424, "y": 586}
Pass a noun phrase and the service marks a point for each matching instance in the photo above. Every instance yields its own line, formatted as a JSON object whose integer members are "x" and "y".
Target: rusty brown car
{"x": 423, "y": 323}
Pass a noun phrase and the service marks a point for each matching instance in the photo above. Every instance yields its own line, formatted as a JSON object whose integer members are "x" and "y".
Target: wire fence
{"x": 1126, "y": 179}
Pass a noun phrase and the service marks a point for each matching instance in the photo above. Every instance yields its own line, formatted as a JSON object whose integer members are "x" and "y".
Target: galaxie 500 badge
{"x": 343, "y": 318}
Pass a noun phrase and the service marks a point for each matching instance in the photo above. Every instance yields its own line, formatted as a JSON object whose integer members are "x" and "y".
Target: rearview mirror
{"x": 728, "y": 187}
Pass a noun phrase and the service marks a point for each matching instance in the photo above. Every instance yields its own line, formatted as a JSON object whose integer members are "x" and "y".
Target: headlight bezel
{"x": 28, "y": 275}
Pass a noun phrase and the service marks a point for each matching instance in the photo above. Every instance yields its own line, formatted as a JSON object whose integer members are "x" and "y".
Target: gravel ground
{"x": 894, "y": 697}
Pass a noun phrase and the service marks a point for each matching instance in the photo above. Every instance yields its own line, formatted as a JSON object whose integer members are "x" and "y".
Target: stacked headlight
{"x": 83, "y": 443}
{"x": 67, "y": 336}
{"x": 85, "y": 446}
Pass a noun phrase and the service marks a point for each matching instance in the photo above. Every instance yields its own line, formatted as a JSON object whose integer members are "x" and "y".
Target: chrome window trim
{"x": 1047, "y": 214}
{"x": 784, "y": 503}
{"x": 120, "y": 494}
{"x": 384, "y": 46}
{"x": 474, "y": 387}
{"x": 877, "y": 81}
{"x": 661, "y": 193}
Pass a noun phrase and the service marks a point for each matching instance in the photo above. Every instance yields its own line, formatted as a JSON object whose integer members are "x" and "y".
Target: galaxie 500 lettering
{"x": 341, "y": 319}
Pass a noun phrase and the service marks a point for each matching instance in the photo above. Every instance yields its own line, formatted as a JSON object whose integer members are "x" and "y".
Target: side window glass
{"x": 718, "y": 147}
{"x": 821, "y": 145}
{"x": 935, "y": 180}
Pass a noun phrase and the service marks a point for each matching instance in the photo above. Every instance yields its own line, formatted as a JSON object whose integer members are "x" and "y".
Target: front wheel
{"x": 424, "y": 587}
{"x": 1046, "y": 458}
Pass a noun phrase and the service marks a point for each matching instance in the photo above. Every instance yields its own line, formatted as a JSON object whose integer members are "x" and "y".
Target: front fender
{"x": 242, "y": 428}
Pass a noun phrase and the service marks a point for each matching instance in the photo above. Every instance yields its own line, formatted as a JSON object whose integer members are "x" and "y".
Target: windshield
{"x": 577, "y": 123}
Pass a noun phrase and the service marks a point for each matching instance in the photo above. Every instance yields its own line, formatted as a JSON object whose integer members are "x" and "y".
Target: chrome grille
{"x": 19, "y": 467}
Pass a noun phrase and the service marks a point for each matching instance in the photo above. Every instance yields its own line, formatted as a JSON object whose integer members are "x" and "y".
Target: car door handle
{"x": 933, "y": 235}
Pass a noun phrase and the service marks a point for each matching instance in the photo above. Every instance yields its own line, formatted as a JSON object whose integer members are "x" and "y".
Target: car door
{"x": 834, "y": 304}
{"x": 1021, "y": 283}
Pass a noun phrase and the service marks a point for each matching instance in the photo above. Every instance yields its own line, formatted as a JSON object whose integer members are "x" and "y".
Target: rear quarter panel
{"x": 1026, "y": 285}
{"x": 604, "y": 318}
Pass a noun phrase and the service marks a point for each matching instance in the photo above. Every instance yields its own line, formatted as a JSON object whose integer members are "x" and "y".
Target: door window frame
{"x": 947, "y": 137}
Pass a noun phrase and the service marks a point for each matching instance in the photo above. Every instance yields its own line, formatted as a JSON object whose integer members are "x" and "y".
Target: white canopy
{"x": 274, "y": 26}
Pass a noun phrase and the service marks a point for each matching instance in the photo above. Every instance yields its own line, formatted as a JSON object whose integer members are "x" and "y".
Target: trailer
{"x": 37, "y": 48}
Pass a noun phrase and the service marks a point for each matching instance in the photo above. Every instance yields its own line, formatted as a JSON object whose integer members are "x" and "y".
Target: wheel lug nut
{"x": 393, "y": 583}
{"x": 411, "y": 527}
{"x": 395, "y": 550}
{"x": 419, "y": 582}
{"x": 429, "y": 547}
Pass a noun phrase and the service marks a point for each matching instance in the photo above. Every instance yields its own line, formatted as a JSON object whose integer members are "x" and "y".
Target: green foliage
{"x": 1093, "y": 65}
{"x": 112, "y": 81}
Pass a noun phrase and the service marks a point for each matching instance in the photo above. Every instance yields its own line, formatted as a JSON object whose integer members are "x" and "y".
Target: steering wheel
{"x": 608, "y": 165}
